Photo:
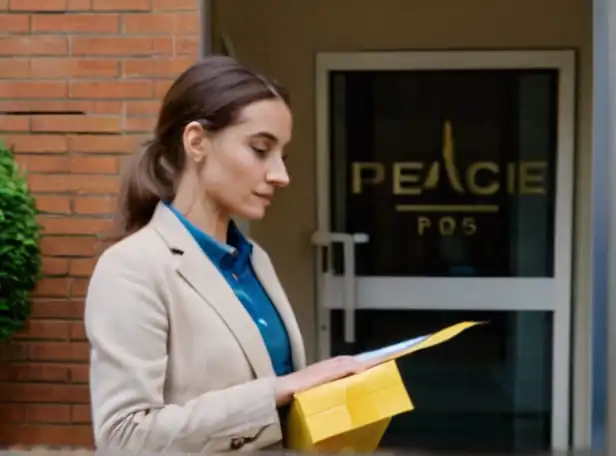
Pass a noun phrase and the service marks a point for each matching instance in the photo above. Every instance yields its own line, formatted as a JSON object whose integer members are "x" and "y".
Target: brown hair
{"x": 212, "y": 92}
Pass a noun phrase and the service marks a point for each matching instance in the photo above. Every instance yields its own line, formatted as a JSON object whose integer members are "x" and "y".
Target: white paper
{"x": 390, "y": 349}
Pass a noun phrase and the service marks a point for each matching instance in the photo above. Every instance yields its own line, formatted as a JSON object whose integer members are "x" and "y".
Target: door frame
{"x": 561, "y": 60}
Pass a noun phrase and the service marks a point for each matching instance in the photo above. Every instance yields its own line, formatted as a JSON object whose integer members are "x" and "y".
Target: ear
{"x": 195, "y": 141}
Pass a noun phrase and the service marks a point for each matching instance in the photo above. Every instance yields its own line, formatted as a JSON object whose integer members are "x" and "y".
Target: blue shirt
{"x": 234, "y": 263}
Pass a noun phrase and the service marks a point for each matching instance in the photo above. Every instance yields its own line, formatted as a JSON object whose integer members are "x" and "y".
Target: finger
{"x": 351, "y": 366}
{"x": 342, "y": 360}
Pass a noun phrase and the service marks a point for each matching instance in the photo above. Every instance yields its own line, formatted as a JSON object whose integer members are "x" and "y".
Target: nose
{"x": 277, "y": 175}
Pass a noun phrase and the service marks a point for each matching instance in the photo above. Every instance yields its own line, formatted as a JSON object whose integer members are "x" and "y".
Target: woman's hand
{"x": 314, "y": 375}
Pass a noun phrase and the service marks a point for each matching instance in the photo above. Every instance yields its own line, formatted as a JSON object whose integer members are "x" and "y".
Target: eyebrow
{"x": 266, "y": 135}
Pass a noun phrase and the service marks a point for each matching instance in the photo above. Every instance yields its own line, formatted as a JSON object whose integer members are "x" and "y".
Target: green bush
{"x": 20, "y": 258}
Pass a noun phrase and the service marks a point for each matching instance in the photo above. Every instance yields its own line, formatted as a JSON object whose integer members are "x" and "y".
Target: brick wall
{"x": 80, "y": 82}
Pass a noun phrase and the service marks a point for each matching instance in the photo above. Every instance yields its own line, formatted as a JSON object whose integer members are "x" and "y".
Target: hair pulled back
{"x": 213, "y": 91}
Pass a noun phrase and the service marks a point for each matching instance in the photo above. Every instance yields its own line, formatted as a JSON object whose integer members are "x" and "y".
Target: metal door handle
{"x": 348, "y": 241}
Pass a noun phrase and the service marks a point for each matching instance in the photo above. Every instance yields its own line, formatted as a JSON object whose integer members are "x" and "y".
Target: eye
{"x": 259, "y": 150}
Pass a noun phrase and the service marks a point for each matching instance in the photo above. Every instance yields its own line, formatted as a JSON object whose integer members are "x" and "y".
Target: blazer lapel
{"x": 196, "y": 268}
{"x": 267, "y": 275}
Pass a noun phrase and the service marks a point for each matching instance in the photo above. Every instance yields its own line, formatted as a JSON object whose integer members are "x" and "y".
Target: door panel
{"x": 455, "y": 171}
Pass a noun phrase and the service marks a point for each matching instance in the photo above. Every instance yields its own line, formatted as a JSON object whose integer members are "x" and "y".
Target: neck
{"x": 203, "y": 214}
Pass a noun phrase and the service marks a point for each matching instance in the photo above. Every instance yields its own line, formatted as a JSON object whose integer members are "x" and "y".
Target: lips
{"x": 265, "y": 196}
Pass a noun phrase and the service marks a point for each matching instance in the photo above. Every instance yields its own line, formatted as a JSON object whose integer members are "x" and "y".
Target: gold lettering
{"x": 417, "y": 178}
{"x": 511, "y": 178}
{"x": 423, "y": 223}
{"x": 449, "y": 157}
{"x": 358, "y": 178}
{"x": 471, "y": 177}
{"x": 401, "y": 178}
{"x": 532, "y": 173}
{"x": 469, "y": 226}
{"x": 446, "y": 226}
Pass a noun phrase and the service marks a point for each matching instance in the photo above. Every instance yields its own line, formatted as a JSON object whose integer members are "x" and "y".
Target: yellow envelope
{"x": 352, "y": 414}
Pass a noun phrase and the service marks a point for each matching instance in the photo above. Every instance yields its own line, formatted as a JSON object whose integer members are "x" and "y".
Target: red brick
{"x": 33, "y": 45}
{"x": 55, "y": 266}
{"x": 76, "y": 23}
{"x": 79, "y": 374}
{"x": 121, "y": 5}
{"x": 6, "y": 357}
{"x": 13, "y": 413}
{"x": 94, "y": 165}
{"x": 14, "y": 89}
{"x": 112, "y": 89}
{"x": 37, "y": 143}
{"x": 73, "y": 106}
{"x": 37, "y": 373}
{"x": 14, "y": 23}
{"x": 122, "y": 46}
{"x": 59, "y": 351}
{"x": 174, "y": 5}
{"x": 74, "y": 226}
{"x": 47, "y": 435}
{"x": 37, "y": 5}
{"x": 91, "y": 205}
{"x": 73, "y": 68}
{"x": 59, "y": 308}
{"x": 49, "y": 183}
{"x": 87, "y": 184}
{"x": 18, "y": 68}
{"x": 52, "y": 287}
{"x": 105, "y": 144}
{"x": 53, "y": 204}
{"x": 142, "y": 108}
{"x": 78, "y": 331}
{"x": 82, "y": 267}
{"x": 186, "y": 45}
{"x": 159, "y": 67}
{"x": 116, "y": 80}
{"x": 97, "y": 106}
{"x": 14, "y": 123}
{"x": 81, "y": 414}
{"x": 45, "y": 330}
{"x": 161, "y": 88}
{"x": 139, "y": 124}
{"x": 13, "y": 351}
{"x": 73, "y": 246}
{"x": 42, "y": 163}
{"x": 76, "y": 123}
{"x": 79, "y": 288}
{"x": 79, "y": 5}
{"x": 161, "y": 23}
{"x": 49, "y": 413}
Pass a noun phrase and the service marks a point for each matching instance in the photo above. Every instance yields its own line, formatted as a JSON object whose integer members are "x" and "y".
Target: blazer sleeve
{"x": 126, "y": 325}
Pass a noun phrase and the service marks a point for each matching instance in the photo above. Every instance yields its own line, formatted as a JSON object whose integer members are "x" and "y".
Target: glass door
{"x": 445, "y": 185}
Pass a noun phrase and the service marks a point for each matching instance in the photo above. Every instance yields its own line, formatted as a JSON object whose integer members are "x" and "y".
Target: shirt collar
{"x": 221, "y": 254}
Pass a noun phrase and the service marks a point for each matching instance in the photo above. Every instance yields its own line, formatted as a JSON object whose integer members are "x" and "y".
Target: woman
{"x": 194, "y": 346}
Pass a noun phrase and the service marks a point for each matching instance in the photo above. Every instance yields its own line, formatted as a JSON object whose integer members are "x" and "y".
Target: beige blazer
{"x": 177, "y": 363}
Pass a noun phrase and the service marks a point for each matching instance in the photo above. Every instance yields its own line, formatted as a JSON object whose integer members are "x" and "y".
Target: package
{"x": 353, "y": 413}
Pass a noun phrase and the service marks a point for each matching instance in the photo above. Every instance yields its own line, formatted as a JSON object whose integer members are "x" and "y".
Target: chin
{"x": 252, "y": 213}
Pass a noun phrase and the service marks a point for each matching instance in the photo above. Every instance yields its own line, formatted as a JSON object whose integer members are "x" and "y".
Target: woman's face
{"x": 243, "y": 164}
